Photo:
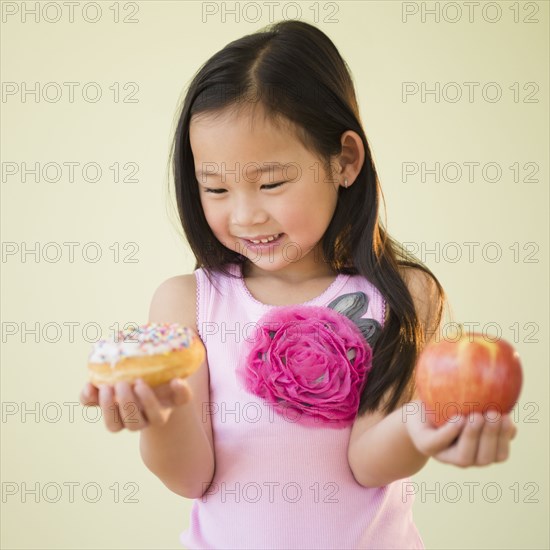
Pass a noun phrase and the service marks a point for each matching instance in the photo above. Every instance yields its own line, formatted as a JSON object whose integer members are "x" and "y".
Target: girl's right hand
{"x": 136, "y": 406}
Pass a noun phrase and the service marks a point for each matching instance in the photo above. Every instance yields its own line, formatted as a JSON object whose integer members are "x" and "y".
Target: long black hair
{"x": 320, "y": 104}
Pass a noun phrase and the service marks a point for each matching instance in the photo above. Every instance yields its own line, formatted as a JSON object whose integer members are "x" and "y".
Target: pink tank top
{"x": 279, "y": 484}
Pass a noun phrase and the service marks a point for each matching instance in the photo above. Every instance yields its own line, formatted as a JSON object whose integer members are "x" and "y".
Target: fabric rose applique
{"x": 311, "y": 363}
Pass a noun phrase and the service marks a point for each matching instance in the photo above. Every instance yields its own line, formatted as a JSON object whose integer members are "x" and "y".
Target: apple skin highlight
{"x": 468, "y": 375}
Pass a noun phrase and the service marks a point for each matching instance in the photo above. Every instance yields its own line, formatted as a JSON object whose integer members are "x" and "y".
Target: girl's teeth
{"x": 268, "y": 240}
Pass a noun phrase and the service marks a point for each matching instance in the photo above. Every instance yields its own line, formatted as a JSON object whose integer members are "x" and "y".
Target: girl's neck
{"x": 293, "y": 274}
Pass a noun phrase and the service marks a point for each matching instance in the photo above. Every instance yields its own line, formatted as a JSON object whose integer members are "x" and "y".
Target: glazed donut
{"x": 154, "y": 352}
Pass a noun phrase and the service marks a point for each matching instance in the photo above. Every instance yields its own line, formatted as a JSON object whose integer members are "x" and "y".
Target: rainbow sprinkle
{"x": 148, "y": 339}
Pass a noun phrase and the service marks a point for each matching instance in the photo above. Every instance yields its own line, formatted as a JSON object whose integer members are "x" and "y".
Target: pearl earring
{"x": 346, "y": 183}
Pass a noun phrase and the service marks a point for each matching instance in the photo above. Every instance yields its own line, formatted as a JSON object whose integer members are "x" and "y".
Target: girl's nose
{"x": 247, "y": 212}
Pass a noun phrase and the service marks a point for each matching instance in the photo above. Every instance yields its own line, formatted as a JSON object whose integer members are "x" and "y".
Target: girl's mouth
{"x": 270, "y": 241}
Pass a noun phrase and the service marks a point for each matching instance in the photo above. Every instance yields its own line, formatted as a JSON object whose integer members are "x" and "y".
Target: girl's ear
{"x": 351, "y": 305}
{"x": 351, "y": 158}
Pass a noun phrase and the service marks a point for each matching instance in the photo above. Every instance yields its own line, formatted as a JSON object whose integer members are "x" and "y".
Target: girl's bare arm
{"x": 384, "y": 448}
{"x": 181, "y": 452}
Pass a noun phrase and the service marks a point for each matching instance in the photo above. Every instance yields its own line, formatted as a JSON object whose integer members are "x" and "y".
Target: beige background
{"x": 52, "y": 450}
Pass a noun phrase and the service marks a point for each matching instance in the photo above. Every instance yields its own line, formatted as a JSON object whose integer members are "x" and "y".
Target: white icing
{"x": 150, "y": 339}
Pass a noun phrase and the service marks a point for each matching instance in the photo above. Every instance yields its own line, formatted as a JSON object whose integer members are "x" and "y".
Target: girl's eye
{"x": 220, "y": 191}
{"x": 273, "y": 185}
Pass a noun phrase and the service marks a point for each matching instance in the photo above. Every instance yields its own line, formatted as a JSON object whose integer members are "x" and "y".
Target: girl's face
{"x": 241, "y": 202}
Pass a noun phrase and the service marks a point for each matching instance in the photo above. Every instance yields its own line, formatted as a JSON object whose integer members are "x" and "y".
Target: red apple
{"x": 467, "y": 375}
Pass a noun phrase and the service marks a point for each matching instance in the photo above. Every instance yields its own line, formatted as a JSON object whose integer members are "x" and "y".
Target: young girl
{"x": 302, "y": 427}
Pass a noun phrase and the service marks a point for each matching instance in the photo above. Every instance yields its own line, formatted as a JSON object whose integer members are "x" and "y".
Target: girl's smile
{"x": 263, "y": 241}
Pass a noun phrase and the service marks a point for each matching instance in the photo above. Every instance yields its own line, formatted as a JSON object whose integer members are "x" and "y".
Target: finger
{"x": 89, "y": 395}
{"x": 109, "y": 409}
{"x": 181, "y": 391}
{"x": 435, "y": 440}
{"x": 151, "y": 406}
{"x": 464, "y": 453}
{"x": 489, "y": 438}
{"x": 129, "y": 407}
{"x": 512, "y": 428}
{"x": 507, "y": 433}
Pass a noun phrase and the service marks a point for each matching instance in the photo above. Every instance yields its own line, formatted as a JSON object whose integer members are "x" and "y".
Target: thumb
{"x": 181, "y": 391}
{"x": 442, "y": 437}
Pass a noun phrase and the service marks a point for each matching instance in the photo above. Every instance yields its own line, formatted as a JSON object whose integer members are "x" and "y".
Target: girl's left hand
{"x": 476, "y": 440}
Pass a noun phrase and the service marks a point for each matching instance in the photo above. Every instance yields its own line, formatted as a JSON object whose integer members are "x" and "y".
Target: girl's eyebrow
{"x": 271, "y": 166}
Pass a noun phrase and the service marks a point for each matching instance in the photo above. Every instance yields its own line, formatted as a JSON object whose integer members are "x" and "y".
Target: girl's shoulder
{"x": 425, "y": 294}
{"x": 174, "y": 301}
{"x": 421, "y": 285}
